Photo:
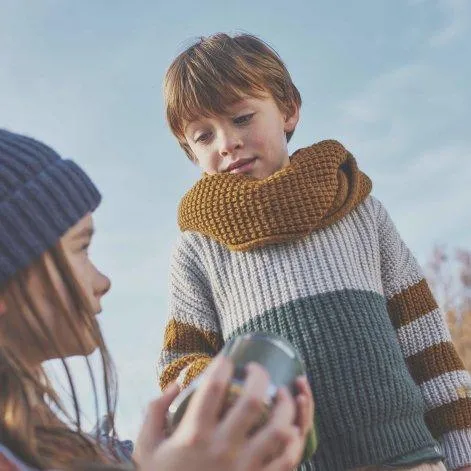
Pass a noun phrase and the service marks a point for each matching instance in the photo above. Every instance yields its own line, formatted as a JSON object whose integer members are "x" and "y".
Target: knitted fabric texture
{"x": 320, "y": 186}
{"x": 352, "y": 299}
{"x": 41, "y": 197}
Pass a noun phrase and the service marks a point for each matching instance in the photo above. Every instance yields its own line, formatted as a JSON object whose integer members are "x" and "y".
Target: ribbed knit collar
{"x": 320, "y": 186}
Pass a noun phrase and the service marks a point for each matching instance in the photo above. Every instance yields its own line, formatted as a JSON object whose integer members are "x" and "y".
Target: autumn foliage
{"x": 449, "y": 275}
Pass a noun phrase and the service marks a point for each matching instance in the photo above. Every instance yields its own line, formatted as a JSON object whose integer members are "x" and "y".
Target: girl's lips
{"x": 242, "y": 166}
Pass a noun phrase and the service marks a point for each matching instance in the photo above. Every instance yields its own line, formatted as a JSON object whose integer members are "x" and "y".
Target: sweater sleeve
{"x": 426, "y": 344}
{"x": 192, "y": 334}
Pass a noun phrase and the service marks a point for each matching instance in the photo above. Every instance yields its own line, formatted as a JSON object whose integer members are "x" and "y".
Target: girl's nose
{"x": 103, "y": 286}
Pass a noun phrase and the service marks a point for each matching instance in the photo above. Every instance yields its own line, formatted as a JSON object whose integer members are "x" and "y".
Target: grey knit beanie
{"x": 41, "y": 197}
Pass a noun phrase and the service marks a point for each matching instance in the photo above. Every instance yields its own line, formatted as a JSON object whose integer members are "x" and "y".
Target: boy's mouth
{"x": 241, "y": 166}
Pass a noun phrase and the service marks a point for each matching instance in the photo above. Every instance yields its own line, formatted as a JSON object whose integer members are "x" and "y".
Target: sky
{"x": 390, "y": 80}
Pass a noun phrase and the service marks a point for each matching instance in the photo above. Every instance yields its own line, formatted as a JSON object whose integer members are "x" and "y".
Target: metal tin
{"x": 274, "y": 353}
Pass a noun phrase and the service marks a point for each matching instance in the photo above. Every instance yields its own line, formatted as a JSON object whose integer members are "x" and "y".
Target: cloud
{"x": 457, "y": 13}
{"x": 454, "y": 19}
{"x": 369, "y": 105}
{"x": 378, "y": 119}
{"x": 406, "y": 128}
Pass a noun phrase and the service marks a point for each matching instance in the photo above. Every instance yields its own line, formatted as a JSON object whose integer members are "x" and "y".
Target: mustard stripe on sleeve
{"x": 452, "y": 416}
{"x": 196, "y": 363}
{"x": 410, "y": 304}
{"x": 434, "y": 361}
{"x": 183, "y": 337}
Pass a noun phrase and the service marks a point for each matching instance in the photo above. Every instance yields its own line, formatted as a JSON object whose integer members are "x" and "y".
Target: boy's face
{"x": 249, "y": 139}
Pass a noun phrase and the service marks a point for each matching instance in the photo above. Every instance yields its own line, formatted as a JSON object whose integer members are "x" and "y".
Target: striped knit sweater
{"x": 353, "y": 300}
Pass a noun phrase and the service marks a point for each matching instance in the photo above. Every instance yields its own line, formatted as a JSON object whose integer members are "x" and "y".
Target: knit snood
{"x": 320, "y": 186}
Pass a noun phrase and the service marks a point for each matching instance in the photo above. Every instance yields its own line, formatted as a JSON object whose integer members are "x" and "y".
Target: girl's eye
{"x": 244, "y": 119}
{"x": 85, "y": 247}
{"x": 203, "y": 137}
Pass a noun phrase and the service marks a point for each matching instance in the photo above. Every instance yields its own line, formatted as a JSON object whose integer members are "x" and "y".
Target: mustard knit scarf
{"x": 320, "y": 186}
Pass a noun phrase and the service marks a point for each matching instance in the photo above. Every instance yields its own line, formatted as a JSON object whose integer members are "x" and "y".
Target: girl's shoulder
{"x": 9, "y": 462}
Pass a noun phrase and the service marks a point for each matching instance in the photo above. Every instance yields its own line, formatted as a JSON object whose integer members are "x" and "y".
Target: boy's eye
{"x": 204, "y": 137}
{"x": 244, "y": 119}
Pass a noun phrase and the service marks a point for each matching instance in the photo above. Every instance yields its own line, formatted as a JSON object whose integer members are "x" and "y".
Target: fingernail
{"x": 218, "y": 365}
{"x": 217, "y": 362}
{"x": 255, "y": 367}
{"x": 283, "y": 391}
{"x": 172, "y": 387}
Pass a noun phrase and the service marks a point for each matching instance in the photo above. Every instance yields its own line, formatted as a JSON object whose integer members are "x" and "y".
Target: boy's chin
{"x": 262, "y": 174}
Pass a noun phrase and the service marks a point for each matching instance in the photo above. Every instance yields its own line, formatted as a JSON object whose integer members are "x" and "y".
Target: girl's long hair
{"x": 35, "y": 424}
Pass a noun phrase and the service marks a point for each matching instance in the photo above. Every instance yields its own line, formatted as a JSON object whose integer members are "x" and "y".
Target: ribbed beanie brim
{"x": 41, "y": 197}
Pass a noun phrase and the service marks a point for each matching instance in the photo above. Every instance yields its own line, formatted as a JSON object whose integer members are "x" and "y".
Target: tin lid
{"x": 273, "y": 352}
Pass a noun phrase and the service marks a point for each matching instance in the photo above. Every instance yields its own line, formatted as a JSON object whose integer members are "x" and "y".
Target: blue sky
{"x": 388, "y": 79}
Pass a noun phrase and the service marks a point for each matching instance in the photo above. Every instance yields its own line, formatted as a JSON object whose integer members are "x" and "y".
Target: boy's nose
{"x": 229, "y": 143}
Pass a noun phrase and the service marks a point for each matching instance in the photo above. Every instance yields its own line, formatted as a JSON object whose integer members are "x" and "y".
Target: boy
{"x": 298, "y": 247}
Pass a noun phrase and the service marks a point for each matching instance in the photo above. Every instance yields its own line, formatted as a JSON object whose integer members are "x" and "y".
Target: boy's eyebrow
{"x": 244, "y": 101}
{"x": 187, "y": 125}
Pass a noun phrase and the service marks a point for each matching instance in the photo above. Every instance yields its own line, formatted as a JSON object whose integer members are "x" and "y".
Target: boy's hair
{"x": 218, "y": 71}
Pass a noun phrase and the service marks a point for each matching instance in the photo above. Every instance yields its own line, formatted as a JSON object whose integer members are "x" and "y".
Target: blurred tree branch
{"x": 449, "y": 275}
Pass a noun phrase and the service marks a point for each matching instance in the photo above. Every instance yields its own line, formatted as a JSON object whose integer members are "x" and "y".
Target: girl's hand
{"x": 203, "y": 441}
{"x": 305, "y": 413}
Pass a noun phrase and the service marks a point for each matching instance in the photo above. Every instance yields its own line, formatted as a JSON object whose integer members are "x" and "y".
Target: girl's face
{"x": 76, "y": 243}
{"x": 56, "y": 325}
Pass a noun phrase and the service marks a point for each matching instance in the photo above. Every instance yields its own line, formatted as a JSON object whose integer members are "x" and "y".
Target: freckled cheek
{"x": 210, "y": 163}
{"x": 205, "y": 159}
{"x": 256, "y": 141}
{"x": 215, "y": 162}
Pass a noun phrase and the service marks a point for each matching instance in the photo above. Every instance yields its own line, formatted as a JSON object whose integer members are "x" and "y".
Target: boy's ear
{"x": 291, "y": 119}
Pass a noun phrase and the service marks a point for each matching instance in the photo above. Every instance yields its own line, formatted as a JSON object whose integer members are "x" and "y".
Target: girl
{"x": 50, "y": 294}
